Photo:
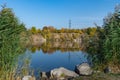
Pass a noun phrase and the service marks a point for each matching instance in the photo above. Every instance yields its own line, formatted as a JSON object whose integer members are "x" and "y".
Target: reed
{"x": 10, "y": 29}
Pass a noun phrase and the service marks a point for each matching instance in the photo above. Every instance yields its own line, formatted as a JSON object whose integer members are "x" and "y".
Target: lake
{"x": 41, "y": 60}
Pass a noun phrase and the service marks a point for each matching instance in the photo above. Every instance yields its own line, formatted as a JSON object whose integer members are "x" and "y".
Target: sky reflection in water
{"x": 48, "y": 61}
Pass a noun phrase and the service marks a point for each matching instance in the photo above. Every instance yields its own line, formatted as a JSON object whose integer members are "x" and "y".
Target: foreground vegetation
{"x": 99, "y": 76}
{"x": 10, "y": 30}
{"x": 105, "y": 45}
{"x": 102, "y": 42}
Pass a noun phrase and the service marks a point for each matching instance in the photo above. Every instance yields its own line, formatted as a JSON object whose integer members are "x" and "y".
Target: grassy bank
{"x": 99, "y": 76}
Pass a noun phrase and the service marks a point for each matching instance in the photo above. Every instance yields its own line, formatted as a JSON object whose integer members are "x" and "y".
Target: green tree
{"x": 107, "y": 40}
{"x": 112, "y": 35}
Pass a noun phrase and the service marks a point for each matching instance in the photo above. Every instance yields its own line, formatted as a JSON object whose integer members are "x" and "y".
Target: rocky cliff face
{"x": 65, "y": 36}
{"x": 37, "y": 39}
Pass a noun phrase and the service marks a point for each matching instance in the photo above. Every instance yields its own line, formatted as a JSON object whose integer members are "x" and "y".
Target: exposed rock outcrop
{"x": 37, "y": 39}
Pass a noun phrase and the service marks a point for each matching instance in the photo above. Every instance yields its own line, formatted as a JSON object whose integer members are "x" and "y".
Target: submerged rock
{"x": 84, "y": 69}
{"x": 62, "y": 73}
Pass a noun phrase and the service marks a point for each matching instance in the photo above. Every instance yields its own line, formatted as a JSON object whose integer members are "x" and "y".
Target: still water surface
{"x": 40, "y": 61}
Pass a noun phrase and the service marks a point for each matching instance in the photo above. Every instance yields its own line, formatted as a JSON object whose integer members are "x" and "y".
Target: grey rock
{"x": 84, "y": 69}
{"x": 107, "y": 70}
{"x": 62, "y": 73}
{"x": 28, "y": 78}
{"x": 43, "y": 75}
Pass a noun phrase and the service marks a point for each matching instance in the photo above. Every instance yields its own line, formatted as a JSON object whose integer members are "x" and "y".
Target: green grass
{"x": 99, "y": 76}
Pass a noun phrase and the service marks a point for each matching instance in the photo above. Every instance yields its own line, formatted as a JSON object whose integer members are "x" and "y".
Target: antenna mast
{"x": 69, "y": 24}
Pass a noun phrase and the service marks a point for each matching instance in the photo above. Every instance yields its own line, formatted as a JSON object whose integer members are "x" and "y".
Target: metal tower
{"x": 69, "y": 24}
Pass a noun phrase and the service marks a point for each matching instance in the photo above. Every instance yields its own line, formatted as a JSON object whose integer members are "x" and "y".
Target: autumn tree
{"x": 33, "y": 30}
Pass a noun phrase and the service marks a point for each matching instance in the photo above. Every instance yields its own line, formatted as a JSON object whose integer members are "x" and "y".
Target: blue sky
{"x": 39, "y": 13}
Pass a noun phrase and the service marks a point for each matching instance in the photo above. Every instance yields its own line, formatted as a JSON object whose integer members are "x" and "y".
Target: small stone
{"x": 18, "y": 78}
{"x": 28, "y": 78}
{"x": 43, "y": 75}
{"x": 107, "y": 70}
{"x": 32, "y": 78}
